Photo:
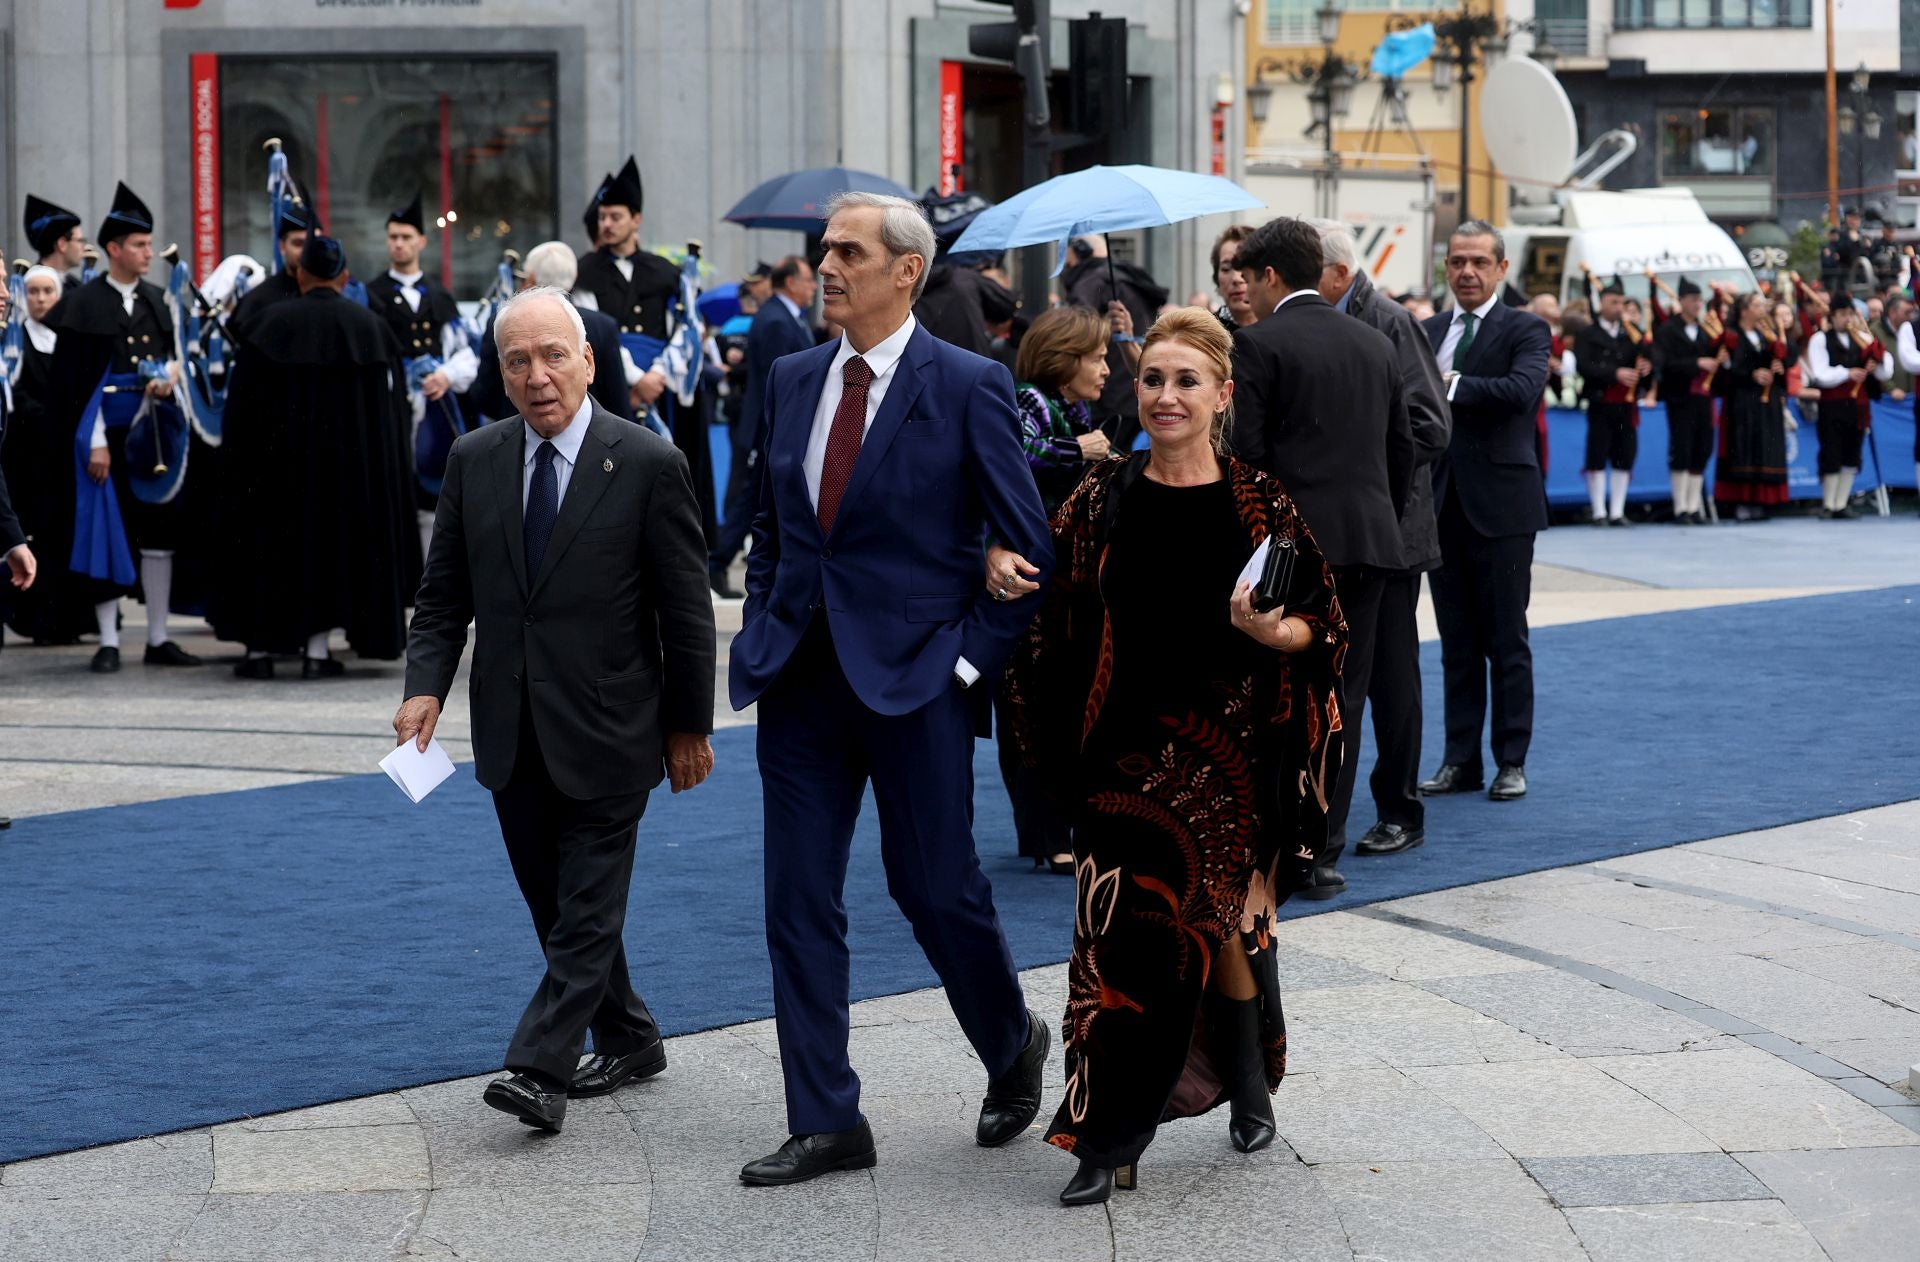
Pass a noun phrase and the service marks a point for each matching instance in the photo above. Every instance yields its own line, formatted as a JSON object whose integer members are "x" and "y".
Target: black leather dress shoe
{"x": 322, "y": 668}
{"x": 254, "y": 668}
{"x": 1093, "y": 1185}
{"x": 1390, "y": 839}
{"x": 723, "y": 587}
{"x": 806, "y": 1157}
{"x": 169, "y": 654}
{"x": 528, "y": 1101}
{"x": 105, "y": 661}
{"x": 1326, "y": 882}
{"x": 1452, "y": 778}
{"x": 1013, "y": 1099}
{"x": 603, "y": 1075}
{"x": 1511, "y": 783}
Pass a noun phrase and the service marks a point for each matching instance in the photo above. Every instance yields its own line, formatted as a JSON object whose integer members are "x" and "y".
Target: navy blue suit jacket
{"x": 774, "y": 333}
{"x": 1492, "y": 462}
{"x": 901, "y": 577}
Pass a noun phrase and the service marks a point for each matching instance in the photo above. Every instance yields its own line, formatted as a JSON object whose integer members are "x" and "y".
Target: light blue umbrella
{"x": 1403, "y": 50}
{"x": 1101, "y": 199}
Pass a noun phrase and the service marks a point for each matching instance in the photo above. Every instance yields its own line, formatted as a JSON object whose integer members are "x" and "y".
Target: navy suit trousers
{"x": 819, "y": 746}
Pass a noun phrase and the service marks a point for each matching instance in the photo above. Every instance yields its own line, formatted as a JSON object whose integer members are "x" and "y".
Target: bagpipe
{"x": 282, "y": 195}
{"x": 681, "y": 356}
{"x": 200, "y": 341}
{"x": 89, "y": 264}
{"x": 506, "y": 280}
{"x": 13, "y": 340}
{"x": 436, "y": 422}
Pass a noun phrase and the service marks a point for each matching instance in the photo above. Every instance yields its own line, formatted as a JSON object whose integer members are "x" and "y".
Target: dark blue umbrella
{"x": 798, "y": 202}
{"x": 720, "y": 304}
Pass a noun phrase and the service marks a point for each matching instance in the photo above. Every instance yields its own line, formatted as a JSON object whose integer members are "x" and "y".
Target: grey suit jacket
{"x": 611, "y": 643}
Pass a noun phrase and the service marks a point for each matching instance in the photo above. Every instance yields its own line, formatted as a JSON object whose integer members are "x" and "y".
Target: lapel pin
{"x": 607, "y": 465}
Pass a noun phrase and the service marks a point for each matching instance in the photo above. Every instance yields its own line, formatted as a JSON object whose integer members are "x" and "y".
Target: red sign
{"x": 1219, "y": 140}
{"x": 953, "y": 142}
{"x": 206, "y": 164}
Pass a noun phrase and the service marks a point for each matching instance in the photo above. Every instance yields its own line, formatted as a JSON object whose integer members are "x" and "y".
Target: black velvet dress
{"x": 1199, "y": 785}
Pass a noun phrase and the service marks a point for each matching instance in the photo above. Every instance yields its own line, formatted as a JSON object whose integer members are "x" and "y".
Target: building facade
{"x": 505, "y": 113}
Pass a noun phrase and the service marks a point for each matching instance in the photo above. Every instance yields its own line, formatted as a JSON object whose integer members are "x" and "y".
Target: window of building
{"x": 1632, "y": 15}
{"x": 473, "y": 135}
{"x": 1730, "y": 141}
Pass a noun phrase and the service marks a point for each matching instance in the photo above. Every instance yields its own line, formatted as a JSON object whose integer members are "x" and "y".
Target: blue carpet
{"x": 180, "y": 963}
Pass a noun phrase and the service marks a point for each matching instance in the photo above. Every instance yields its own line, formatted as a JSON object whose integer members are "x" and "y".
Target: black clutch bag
{"x": 1275, "y": 587}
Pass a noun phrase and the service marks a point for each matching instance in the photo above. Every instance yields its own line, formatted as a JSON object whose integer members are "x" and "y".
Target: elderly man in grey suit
{"x": 571, "y": 539}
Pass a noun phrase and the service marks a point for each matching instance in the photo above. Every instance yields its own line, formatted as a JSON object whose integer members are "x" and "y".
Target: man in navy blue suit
{"x": 1493, "y": 359}
{"x": 779, "y": 328}
{"x": 888, "y": 457}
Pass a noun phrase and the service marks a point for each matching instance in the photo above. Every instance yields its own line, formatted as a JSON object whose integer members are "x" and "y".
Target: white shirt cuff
{"x": 969, "y": 675}
{"x": 462, "y": 368}
{"x": 99, "y": 439}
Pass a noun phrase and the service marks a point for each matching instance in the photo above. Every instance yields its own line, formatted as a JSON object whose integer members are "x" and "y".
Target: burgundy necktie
{"x": 843, "y": 440}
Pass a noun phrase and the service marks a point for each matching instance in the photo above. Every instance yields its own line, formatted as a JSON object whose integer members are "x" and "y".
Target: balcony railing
{"x": 1570, "y": 37}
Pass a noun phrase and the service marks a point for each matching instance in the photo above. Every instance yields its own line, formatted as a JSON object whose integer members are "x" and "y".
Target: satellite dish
{"x": 1527, "y": 122}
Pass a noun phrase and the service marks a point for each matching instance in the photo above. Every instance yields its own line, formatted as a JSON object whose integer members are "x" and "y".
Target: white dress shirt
{"x": 1291, "y": 296}
{"x": 566, "y": 446}
{"x": 1826, "y": 374}
{"x": 793, "y": 308}
{"x": 883, "y": 359}
{"x": 1458, "y": 330}
{"x": 127, "y": 291}
{"x": 1909, "y": 353}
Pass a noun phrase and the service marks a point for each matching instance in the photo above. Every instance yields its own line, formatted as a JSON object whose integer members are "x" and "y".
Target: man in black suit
{"x": 1394, "y": 694}
{"x": 552, "y": 263}
{"x": 15, "y": 555}
{"x": 573, "y": 538}
{"x": 1494, "y": 361}
{"x": 1319, "y": 404}
{"x": 780, "y": 327}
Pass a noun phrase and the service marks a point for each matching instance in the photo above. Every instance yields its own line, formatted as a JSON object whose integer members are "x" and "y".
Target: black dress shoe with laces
{"x": 1013, "y": 1099}
{"x": 1390, "y": 839}
{"x": 1452, "y": 778}
{"x": 105, "y": 661}
{"x": 169, "y": 654}
{"x": 254, "y": 668}
{"x": 532, "y": 1103}
{"x": 602, "y": 1075}
{"x": 1326, "y": 882}
{"x": 322, "y": 668}
{"x": 1510, "y": 784}
{"x": 806, "y": 1157}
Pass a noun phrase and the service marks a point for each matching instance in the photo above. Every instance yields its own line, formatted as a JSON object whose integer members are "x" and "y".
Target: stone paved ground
{"x": 1701, "y": 1052}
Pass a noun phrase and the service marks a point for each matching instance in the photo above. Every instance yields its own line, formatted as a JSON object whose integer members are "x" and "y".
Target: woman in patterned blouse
{"x": 1062, "y": 368}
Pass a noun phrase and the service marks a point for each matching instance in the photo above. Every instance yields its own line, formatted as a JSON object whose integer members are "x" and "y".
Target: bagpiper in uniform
{"x": 440, "y": 362}
{"x": 1848, "y": 364}
{"x": 640, "y": 289}
{"x": 1688, "y": 356}
{"x": 113, "y": 391}
{"x": 1612, "y": 366}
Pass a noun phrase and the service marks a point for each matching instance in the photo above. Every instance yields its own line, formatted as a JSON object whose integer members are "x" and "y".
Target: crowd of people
{"x": 1173, "y": 554}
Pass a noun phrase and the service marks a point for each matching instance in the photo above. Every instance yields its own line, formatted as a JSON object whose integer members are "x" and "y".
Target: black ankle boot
{"x": 1093, "y": 1185}
{"x": 1243, "y": 1071}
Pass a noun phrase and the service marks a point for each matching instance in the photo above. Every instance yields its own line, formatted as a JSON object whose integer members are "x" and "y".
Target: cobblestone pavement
{"x": 1700, "y": 1052}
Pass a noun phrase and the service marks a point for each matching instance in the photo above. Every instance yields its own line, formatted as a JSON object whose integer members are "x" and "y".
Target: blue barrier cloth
{"x": 1567, "y": 439}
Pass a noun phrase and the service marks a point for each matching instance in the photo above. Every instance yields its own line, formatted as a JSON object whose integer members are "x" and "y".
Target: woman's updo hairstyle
{"x": 1201, "y": 330}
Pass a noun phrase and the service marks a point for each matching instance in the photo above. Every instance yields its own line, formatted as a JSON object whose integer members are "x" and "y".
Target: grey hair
{"x": 1481, "y": 228}
{"x": 903, "y": 228}
{"x": 1337, "y": 246}
{"x": 551, "y": 264}
{"x": 526, "y": 298}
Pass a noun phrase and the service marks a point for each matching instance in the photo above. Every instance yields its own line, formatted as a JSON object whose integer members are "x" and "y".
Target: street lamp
{"x": 1329, "y": 80}
{"x": 1859, "y": 112}
{"x": 1476, "y": 39}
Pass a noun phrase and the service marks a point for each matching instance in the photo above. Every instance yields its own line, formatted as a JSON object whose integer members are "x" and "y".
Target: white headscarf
{"x": 39, "y": 334}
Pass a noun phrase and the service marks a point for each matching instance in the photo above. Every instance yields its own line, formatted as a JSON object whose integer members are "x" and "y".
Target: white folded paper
{"x": 416, "y": 773}
{"x": 1250, "y": 573}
